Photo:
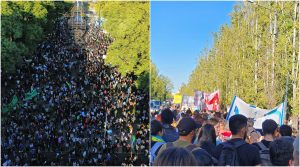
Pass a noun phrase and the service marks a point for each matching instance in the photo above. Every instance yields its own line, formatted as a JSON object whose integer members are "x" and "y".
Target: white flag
{"x": 238, "y": 106}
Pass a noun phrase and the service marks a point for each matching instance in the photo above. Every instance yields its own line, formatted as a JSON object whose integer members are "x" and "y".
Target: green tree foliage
{"x": 128, "y": 25}
{"x": 143, "y": 81}
{"x": 161, "y": 86}
{"x": 23, "y": 25}
{"x": 253, "y": 57}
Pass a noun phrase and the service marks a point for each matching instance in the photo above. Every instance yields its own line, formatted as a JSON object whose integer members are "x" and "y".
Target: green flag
{"x": 14, "y": 101}
{"x": 133, "y": 138}
{"x": 5, "y": 109}
{"x": 133, "y": 111}
{"x": 116, "y": 112}
{"x": 69, "y": 84}
{"x": 30, "y": 95}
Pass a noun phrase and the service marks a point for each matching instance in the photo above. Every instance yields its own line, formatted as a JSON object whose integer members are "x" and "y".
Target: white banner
{"x": 238, "y": 106}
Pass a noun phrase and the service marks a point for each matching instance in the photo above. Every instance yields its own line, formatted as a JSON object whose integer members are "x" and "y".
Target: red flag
{"x": 213, "y": 100}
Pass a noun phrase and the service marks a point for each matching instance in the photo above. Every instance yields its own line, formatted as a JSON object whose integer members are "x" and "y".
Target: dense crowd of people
{"x": 205, "y": 138}
{"x": 85, "y": 113}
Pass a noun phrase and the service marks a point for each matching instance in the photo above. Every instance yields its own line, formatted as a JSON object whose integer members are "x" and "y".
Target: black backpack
{"x": 264, "y": 155}
{"x": 229, "y": 155}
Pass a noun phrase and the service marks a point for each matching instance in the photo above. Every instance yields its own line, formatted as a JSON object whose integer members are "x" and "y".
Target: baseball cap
{"x": 187, "y": 125}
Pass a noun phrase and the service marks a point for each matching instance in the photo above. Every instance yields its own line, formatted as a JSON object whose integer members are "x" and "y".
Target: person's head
{"x": 215, "y": 122}
{"x": 186, "y": 128}
{"x": 285, "y": 130}
{"x": 270, "y": 127}
{"x": 189, "y": 112}
{"x": 167, "y": 116}
{"x": 250, "y": 122}
{"x": 238, "y": 125}
{"x": 253, "y": 136}
{"x": 296, "y": 151}
{"x": 207, "y": 134}
{"x": 175, "y": 157}
{"x": 281, "y": 152}
{"x": 156, "y": 128}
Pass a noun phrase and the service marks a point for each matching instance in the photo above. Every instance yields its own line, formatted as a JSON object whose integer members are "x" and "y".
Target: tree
{"x": 253, "y": 57}
{"x": 128, "y": 25}
{"x": 24, "y": 25}
{"x": 161, "y": 86}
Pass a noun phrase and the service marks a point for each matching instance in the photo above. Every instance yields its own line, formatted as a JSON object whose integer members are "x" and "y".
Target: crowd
{"x": 204, "y": 138}
{"x": 85, "y": 112}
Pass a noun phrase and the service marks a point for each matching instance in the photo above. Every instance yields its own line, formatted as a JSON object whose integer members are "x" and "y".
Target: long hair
{"x": 207, "y": 134}
{"x": 175, "y": 156}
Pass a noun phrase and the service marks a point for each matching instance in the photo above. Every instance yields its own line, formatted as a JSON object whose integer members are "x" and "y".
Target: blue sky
{"x": 180, "y": 31}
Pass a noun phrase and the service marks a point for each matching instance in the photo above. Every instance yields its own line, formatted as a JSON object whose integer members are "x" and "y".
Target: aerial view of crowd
{"x": 205, "y": 138}
{"x": 83, "y": 111}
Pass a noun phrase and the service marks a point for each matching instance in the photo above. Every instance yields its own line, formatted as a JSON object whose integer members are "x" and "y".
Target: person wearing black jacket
{"x": 247, "y": 154}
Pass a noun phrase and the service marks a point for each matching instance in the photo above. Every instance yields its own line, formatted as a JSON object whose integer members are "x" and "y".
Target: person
{"x": 82, "y": 104}
{"x": 245, "y": 154}
{"x": 169, "y": 132}
{"x": 175, "y": 109}
{"x": 189, "y": 112}
{"x": 285, "y": 130}
{"x": 296, "y": 151}
{"x": 187, "y": 131}
{"x": 281, "y": 152}
{"x": 203, "y": 157}
{"x": 271, "y": 132}
{"x": 253, "y": 136}
{"x": 286, "y": 133}
{"x": 175, "y": 156}
{"x": 156, "y": 139}
{"x": 222, "y": 134}
{"x": 207, "y": 139}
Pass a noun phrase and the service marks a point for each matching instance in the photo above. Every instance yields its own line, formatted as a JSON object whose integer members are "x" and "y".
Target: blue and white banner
{"x": 187, "y": 101}
{"x": 191, "y": 101}
{"x": 184, "y": 100}
{"x": 198, "y": 96}
{"x": 238, "y": 106}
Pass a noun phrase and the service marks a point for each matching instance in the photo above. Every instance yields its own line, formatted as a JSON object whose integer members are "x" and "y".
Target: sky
{"x": 179, "y": 33}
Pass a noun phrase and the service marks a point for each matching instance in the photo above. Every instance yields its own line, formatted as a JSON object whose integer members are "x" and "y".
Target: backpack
{"x": 229, "y": 155}
{"x": 154, "y": 150}
{"x": 169, "y": 133}
{"x": 264, "y": 155}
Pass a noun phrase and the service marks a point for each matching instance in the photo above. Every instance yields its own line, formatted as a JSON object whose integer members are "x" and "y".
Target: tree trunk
{"x": 298, "y": 62}
{"x": 267, "y": 86}
{"x": 274, "y": 34}
{"x": 294, "y": 56}
{"x": 256, "y": 53}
